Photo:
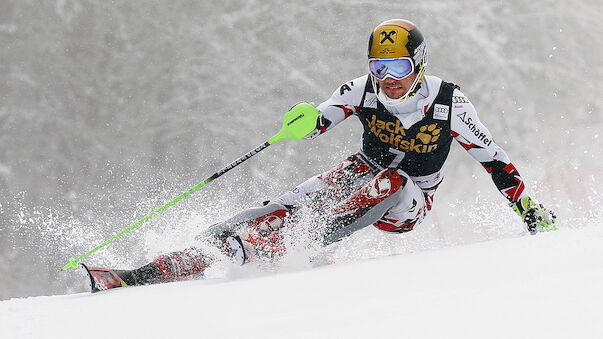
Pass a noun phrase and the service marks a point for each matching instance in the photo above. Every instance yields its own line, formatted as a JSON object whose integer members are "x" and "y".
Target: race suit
{"x": 389, "y": 183}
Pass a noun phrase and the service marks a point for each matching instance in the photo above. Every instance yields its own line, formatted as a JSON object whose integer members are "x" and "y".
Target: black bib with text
{"x": 419, "y": 150}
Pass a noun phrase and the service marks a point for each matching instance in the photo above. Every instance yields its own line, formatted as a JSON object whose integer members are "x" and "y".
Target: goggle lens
{"x": 395, "y": 68}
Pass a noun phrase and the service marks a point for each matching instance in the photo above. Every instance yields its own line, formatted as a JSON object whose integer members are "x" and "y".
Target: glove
{"x": 321, "y": 127}
{"x": 536, "y": 217}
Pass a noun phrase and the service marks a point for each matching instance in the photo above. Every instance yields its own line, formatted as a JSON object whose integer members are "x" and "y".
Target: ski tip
{"x": 100, "y": 279}
{"x": 89, "y": 279}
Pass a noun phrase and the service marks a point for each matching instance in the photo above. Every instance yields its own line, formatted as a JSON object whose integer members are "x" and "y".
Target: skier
{"x": 409, "y": 120}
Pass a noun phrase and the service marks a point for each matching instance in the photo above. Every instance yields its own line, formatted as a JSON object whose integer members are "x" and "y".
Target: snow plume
{"x": 44, "y": 238}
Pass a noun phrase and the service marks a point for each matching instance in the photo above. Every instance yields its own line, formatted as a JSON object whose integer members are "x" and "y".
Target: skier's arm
{"x": 477, "y": 140}
{"x": 344, "y": 102}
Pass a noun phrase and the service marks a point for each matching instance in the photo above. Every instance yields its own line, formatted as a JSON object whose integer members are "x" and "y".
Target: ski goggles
{"x": 398, "y": 68}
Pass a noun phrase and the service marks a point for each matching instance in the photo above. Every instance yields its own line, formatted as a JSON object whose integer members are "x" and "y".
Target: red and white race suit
{"x": 391, "y": 181}
{"x": 413, "y": 138}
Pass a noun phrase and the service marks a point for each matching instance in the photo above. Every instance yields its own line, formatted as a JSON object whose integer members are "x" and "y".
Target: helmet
{"x": 398, "y": 38}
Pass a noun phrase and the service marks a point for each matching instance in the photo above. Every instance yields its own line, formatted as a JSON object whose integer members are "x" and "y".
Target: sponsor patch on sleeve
{"x": 441, "y": 112}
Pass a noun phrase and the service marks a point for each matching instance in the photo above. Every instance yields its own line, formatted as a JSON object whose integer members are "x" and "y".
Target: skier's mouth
{"x": 393, "y": 87}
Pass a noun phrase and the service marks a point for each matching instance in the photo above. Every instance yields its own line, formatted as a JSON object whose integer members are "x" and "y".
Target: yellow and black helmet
{"x": 396, "y": 38}
{"x": 399, "y": 38}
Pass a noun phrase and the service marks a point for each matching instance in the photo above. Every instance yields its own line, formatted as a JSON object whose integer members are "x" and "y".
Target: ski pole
{"x": 297, "y": 123}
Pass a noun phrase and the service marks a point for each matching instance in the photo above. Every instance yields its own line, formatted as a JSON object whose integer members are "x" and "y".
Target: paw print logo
{"x": 429, "y": 133}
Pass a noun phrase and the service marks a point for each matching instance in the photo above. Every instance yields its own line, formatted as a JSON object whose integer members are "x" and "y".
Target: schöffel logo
{"x": 393, "y": 133}
{"x": 475, "y": 130}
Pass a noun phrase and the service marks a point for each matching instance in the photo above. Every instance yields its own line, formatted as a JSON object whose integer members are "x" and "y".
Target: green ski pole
{"x": 297, "y": 123}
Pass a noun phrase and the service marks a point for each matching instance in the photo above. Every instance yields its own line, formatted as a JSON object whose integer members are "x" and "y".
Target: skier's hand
{"x": 536, "y": 217}
{"x": 319, "y": 127}
{"x": 312, "y": 135}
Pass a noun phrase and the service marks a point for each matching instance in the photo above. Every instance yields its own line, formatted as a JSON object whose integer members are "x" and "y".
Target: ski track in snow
{"x": 544, "y": 286}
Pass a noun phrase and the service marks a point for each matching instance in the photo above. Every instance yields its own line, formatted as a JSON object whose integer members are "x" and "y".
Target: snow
{"x": 543, "y": 286}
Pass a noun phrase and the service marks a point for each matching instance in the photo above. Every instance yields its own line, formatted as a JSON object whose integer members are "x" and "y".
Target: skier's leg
{"x": 168, "y": 267}
{"x": 192, "y": 261}
{"x": 258, "y": 229}
{"x": 253, "y": 231}
{"x": 270, "y": 217}
{"x": 391, "y": 201}
{"x": 246, "y": 234}
{"x": 172, "y": 266}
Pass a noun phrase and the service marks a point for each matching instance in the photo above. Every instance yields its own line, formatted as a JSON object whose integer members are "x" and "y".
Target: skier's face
{"x": 395, "y": 89}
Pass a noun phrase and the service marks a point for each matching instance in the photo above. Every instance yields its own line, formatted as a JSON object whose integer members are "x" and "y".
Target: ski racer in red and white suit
{"x": 409, "y": 120}
{"x": 459, "y": 120}
{"x": 417, "y": 136}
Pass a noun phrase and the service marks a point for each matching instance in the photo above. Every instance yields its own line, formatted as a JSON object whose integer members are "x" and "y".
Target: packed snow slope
{"x": 544, "y": 286}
